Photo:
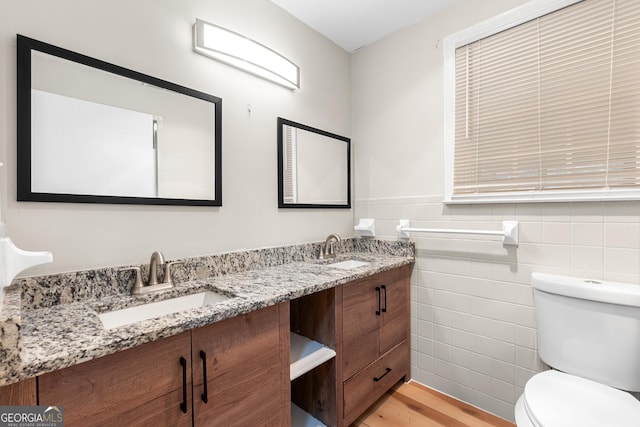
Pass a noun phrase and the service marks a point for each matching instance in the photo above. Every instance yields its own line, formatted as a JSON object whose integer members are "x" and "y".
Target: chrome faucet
{"x": 327, "y": 249}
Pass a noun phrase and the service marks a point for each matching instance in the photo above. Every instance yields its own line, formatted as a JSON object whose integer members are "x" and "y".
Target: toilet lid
{"x": 554, "y": 398}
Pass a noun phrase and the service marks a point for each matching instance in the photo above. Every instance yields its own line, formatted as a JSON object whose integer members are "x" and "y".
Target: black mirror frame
{"x": 25, "y": 46}
{"x": 281, "y": 204}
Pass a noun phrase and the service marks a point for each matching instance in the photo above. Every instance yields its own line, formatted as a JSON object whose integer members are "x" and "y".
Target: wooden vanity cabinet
{"x": 375, "y": 338}
{"x": 246, "y": 362}
{"x": 241, "y": 370}
{"x": 140, "y": 386}
{"x": 236, "y": 372}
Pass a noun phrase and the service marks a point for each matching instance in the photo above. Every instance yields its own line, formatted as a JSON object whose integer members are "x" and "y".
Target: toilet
{"x": 589, "y": 334}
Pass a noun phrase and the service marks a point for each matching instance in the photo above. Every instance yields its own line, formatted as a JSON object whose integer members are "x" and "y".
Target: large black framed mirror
{"x": 93, "y": 132}
{"x": 314, "y": 167}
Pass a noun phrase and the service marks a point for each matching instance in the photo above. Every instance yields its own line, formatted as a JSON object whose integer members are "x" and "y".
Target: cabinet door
{"x": 22, "y": 393}
{"x": 142, "y": 386}
{"x": 394, "y": 327}
{"x": 360, "y": 338}
{"x": 245, "y": 371}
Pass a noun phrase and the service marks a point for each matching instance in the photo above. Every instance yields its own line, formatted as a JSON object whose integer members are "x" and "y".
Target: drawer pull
{"x": 376, "y": 379}
{"x": 205, "y": 395}
{"x": 379, "y": 296}
{"x": 384, "y": 288}
{"x": 183, "y": 405}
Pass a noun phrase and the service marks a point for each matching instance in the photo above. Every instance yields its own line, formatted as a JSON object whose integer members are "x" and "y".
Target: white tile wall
{"x": 473, "y": 316}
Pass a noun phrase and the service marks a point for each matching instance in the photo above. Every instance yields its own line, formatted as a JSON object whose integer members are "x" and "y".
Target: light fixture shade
{"x": 241, "y": 52}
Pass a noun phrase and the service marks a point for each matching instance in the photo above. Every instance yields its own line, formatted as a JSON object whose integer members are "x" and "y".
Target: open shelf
{"x": 300, "y": 418}
{"x": 314, "y": 362}
{"x": 307, "y": 354}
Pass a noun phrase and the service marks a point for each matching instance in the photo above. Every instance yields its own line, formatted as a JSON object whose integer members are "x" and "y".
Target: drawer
{"x": 364, "y": 388}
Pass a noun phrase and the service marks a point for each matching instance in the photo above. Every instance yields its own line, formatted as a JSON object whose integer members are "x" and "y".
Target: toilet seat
{"x": 553, "y": 398}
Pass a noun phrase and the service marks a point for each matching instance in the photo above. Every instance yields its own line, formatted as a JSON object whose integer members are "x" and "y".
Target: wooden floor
{"x": 415, "y": 405}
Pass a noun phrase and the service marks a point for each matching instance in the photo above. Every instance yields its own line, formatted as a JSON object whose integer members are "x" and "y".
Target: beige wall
{"x": 473, "y": 322}
{"x": 155, "y": 38}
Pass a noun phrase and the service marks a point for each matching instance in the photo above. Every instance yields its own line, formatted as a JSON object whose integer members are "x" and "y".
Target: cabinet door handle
{"x": 376, "y": 379}
{"x": 384, "y": 288}
{"x": 379, "y": 296}
{"x": 183, "y": 405}
{"x": 205, "y": 395}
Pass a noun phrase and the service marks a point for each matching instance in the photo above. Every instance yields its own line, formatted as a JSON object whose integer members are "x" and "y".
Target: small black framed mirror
{"x": 314, "y": 167}
{"x": 93, "y": 132}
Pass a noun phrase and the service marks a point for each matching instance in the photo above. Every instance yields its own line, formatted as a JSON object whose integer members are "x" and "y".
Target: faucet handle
{"x": 167, "y": 271}
{"x": 322, "y": 246}
{"x": 137, "y": 284}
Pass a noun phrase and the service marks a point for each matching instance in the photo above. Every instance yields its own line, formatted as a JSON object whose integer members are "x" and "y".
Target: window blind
{"x": 289, "y": 152}
{"x": 551, "y": 104}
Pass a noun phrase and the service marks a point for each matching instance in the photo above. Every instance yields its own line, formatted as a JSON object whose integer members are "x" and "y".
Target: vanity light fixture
{"x": 241, "y": 52}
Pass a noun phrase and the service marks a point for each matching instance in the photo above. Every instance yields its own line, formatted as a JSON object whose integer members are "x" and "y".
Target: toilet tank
{"x": 589, "y": 328}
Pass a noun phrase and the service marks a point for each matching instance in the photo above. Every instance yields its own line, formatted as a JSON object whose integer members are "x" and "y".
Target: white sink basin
{"x": 349, "y": 264}
{"x": 126, "y": 316}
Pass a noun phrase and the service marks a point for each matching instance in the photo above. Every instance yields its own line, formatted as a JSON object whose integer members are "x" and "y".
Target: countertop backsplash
{"x": 63, "y": 288}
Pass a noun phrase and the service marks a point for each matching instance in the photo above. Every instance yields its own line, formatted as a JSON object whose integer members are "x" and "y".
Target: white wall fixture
{"x": 509, "y": 231}
{"x": 13, "y": 260}
{"x": 241, "y": 52}
{"x": 366, "y": 227}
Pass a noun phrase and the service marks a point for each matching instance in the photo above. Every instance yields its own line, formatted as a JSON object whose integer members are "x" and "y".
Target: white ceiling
{"x": 353, "y": 24}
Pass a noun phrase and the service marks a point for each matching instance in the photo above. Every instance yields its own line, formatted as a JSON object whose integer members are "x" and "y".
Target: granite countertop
{"x": 67, "y": 334}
